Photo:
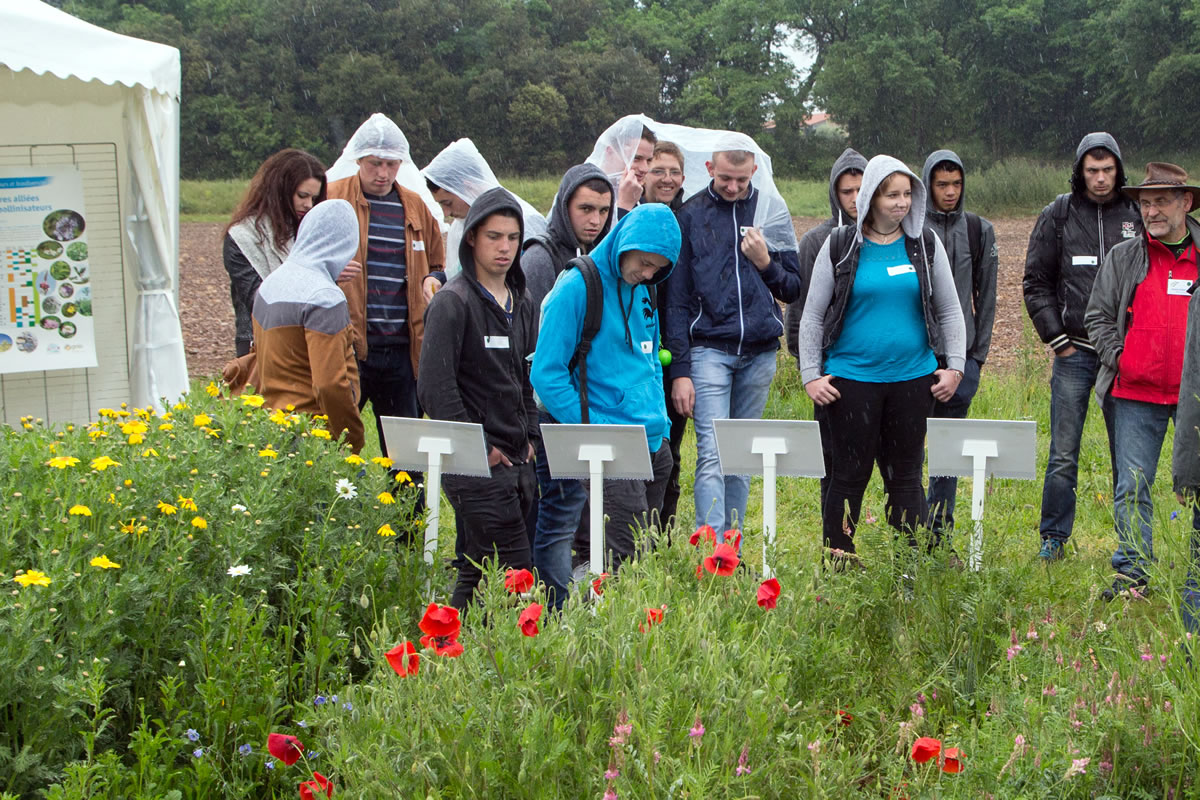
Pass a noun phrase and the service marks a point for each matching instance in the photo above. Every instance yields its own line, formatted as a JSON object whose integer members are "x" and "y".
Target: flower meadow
{"x": 219, "y": 601}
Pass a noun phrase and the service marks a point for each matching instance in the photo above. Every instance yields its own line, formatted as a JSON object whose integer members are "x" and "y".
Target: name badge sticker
{"x": 901, "y": 269}
{"x": 495, "y": 342}
{"x": 647, "y": 347}
{"x": 1179, "y": 287}
{"x": 1084, "y": 261}
{"x": 418, "y": 246}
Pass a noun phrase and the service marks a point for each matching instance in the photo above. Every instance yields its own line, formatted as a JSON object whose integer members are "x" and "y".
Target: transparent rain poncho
{"x": 461, "y": 170}
{"x": 616, "y": 147}
{"x": 382, "y": 138}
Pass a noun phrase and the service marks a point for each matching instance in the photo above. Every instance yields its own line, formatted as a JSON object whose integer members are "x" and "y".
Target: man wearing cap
{"x": 1070, "y": 240}
{"x": 399, "y": 244}
{"x": 1137, "y": 319}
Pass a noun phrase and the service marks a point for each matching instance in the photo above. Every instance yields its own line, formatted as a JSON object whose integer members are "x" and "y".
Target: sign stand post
{"x": 435, "y": 446}
{"x": 596, "y": 452}
{"x": 771, "y": 448}
{"x": 979, "y": 448}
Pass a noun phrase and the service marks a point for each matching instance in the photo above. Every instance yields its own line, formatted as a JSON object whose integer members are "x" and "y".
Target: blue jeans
{"x": 1191, "y": 590}
{"x": 1140, "y": 429}
{"x": 942, "y": 490}
{"x": 1071, "y": 387}
{"x": 727, "y": 387}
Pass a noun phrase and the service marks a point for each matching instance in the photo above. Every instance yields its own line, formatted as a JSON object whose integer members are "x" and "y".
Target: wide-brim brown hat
{"x": 1161, "y": 175}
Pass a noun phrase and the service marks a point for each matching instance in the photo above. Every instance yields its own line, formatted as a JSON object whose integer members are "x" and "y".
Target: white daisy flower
{"x": 238, "y": 570}
{"x": 346, "y": 489}
{"x": 237, "y": 508}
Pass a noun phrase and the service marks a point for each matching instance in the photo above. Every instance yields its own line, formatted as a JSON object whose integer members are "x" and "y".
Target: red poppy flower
{"x": 699, "y": 571}
{"x": 723, "y": 561}
{"x": 952, "y": 760}
{"x": 768, "y": 593}
{"x": 404, "y": 658}
{"x": 845, "y": 716}
{"x": 319, "y": 784}
{"x": 925, "y": 749}
{"x": 440, "y": 621}
{"x": 529, "y": 619}
{"x": 286, "y": 748}
{"x": 705, "y": 532}
{"x": 653, "y": 617}
{"x": 598, "y": 584}
{"x": 734, "y": 538}
{"x": 518, "y": 581}
{"x": 447, "y": 646}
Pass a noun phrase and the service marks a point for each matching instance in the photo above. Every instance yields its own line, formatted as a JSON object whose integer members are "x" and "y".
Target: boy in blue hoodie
{"x": 624, "y": 383}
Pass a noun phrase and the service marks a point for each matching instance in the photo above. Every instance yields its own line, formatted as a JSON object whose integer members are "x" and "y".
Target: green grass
{"x": 210, "y": 201}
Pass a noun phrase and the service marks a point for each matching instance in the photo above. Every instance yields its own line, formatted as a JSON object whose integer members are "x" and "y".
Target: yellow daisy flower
{"x": 80, "y": 511}
{"x": 253, "y": 400}
{"x": 104, "y": 562}
{"x": 62, "y": 462}
{"x": 201, "y": 420}
{"x": 385, "y": 498}
{"x": 33, "y": 577}
{"x": 386, "y": 530}
{"x": 382, "y": 461}
{"x": 166, "y": 507}
{"x": 199, "y": 522}
{"x": 212, "y": 389}
{"x": 101, "y": 463}
{"x": 268, "y": 452}
{"x": 355, "y": 460}
{"x": 321, "y": 433}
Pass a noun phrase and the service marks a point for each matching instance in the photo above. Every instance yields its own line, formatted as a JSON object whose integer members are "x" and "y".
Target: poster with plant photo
{"x": 46, "y": 318}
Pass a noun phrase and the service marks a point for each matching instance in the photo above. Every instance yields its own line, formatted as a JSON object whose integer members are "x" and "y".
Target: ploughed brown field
{"x": 207, "y": 315}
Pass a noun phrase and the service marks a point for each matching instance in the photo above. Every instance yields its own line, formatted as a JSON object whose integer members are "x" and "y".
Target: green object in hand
{"x": 664, "y": 357}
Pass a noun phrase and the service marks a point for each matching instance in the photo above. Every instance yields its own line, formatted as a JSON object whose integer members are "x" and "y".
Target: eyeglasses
{"x": 1160, "y": 203}
{"x": 659, "y": 172}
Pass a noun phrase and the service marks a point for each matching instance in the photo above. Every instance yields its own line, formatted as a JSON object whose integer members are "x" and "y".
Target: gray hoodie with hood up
{"x": 821, "y": 323}
{"x": 546, "y": 256}
{"x": 976, "y": 283}
{"x": 810, "y": 243}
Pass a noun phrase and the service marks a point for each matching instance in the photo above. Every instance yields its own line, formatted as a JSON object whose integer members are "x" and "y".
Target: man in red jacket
{"x": 1137, "y": 320}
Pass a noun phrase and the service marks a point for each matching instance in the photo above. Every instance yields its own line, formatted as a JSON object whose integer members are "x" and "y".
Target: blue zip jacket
{"x": 716, "y": 297}
{"x": 624, "y": 373}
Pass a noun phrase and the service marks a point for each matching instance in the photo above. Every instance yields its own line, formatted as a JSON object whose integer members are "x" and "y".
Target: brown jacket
{"x": 424, "y": 250}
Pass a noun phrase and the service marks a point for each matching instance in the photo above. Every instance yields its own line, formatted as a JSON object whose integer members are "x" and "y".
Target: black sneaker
{"x": 1123, "y": 585}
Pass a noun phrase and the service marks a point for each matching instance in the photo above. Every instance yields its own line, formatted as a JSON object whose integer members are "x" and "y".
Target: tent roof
{"x": 40, "y": 38}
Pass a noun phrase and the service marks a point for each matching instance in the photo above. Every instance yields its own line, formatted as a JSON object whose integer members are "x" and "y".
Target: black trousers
{"x": 869, "y": 423}
{"x": 492, "y": 511}
{"x": 386, "y": 379}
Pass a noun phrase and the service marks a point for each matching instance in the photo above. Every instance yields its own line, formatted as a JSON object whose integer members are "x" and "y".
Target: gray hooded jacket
{"x": 810, "y": 243}
{"x": 976, "y": 283}
{"x": 546, "y": 256}
{"x": 827, "y": 292}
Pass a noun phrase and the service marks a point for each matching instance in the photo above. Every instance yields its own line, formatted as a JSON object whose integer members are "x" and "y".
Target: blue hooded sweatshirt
{"x": 624, "y": 373}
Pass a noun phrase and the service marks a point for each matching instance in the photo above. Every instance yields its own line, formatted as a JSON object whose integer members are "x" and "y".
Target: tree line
{"x": 533, "y": 82}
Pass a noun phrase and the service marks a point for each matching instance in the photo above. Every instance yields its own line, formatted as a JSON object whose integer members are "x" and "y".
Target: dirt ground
{"x": 207, "y": 314}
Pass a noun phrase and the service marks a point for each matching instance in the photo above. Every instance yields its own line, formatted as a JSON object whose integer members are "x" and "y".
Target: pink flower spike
{"x": 697, "y": 730}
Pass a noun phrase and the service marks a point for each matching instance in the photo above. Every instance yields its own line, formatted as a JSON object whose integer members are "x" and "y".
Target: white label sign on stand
{"x": 596, "y": 452}
{"x": 771, "y": 448}
{"x": 979, "y": 449}
{"x": 435, "y": 446}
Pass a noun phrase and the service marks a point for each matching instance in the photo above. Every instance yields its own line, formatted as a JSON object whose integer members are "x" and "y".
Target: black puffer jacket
{"x": 1069, "y": 241}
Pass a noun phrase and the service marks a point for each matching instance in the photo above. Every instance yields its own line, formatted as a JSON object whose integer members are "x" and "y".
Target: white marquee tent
{"x": 75, "y": 94}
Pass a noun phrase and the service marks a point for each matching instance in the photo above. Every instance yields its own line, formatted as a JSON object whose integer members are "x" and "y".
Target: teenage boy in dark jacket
{"x": 1069, "y": 242}
{"x": 1137, "y": 318}
{"x": 478, "y": 331}
{"x": 582, "y": 214}
{"x": 724, "y": 323}
{"x": 974, "y": 264}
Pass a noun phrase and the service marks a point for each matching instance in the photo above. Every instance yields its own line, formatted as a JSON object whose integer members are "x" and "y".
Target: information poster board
{"x": 46, "y": 318}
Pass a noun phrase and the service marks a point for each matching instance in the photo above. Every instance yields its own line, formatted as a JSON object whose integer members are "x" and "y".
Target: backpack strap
{"x": 1059, "y": 210}
{"x": 591, "y": 325}
{"x": 975, "y": 239}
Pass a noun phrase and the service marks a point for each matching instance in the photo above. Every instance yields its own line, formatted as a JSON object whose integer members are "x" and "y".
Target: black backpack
{"x": 591, "y": 324}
